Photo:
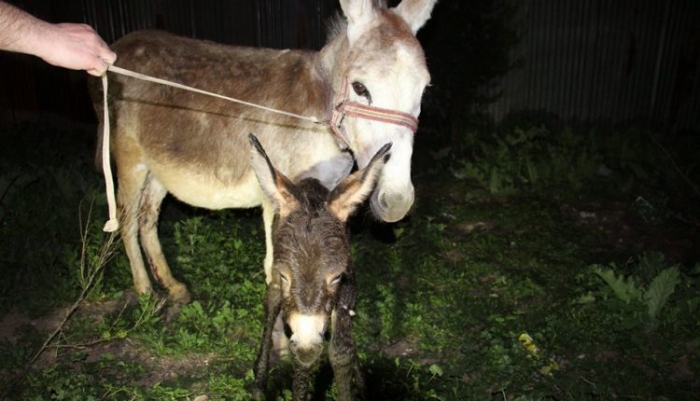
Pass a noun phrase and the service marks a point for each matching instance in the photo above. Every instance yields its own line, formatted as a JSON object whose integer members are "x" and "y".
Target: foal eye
{"x": 360, "y": 89}
{"x": 284, "y": 278}
{"x": 336, "y": 279}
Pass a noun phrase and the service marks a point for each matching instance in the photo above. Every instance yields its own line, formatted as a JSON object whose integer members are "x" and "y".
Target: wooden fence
{"x": 599, "y": 61}
{"x": 589, "y": 61}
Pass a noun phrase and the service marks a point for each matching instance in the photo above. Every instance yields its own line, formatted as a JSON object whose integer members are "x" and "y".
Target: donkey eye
{"x": 284, "y": 278}
{"x": 360, "y": 89}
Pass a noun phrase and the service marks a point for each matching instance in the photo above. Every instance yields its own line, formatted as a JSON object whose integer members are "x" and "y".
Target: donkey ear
{"x": 276, "y": 187}
{"x": 360, "y": 14}
{"x": 345, "y": 198}
{"x": 415, "y": 12}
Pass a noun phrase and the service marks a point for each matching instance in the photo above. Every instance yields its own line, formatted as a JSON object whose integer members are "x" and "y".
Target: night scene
{"x": 350, "y": 200}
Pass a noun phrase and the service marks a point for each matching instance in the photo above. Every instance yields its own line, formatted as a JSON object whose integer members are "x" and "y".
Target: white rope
{"x": 113, "y": 223}
{"x": 137, "y": 75}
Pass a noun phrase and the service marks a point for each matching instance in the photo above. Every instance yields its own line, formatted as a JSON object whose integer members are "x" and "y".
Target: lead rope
{"x": 342, "y": 106}
{"x": 112, "y": 224}
{"x": 143, "y": 77}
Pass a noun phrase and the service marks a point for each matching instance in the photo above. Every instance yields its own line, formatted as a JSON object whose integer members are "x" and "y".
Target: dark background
{"x": 574, "y": 62}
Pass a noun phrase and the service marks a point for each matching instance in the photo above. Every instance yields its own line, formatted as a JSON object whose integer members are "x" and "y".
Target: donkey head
{"x": 384, "y": 70}
{"x": 310, "y": 246}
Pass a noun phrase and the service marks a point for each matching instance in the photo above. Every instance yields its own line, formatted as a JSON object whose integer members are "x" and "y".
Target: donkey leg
{"x": 129, "y": 199}
{"x": 151, "y": 199}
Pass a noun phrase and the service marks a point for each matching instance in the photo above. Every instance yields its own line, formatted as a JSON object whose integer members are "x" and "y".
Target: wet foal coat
{"x": 165, "y": 140}
{"x": 313, "y": 279}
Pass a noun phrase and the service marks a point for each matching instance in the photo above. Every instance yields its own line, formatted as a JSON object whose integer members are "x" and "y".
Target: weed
{"x": 637, "y": 295}
{"x": 536, "y": 157}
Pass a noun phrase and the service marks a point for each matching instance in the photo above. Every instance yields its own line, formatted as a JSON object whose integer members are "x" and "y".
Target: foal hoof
{"x": 258, "y": 394}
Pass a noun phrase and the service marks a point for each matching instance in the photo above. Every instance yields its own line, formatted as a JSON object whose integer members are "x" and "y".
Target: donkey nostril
{"x": 388, "y": 201}
{"x": 382, "y": 201}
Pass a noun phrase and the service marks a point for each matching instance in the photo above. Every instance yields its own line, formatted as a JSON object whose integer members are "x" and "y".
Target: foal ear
{"x": 276, "y": 187}
{"x": 415, "y": 12}
{"x": 345, "y": 198}
{"x": 360, "y": 14}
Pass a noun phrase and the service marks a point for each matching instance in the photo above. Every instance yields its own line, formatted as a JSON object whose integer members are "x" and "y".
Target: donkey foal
{"x": 313, "y": 280}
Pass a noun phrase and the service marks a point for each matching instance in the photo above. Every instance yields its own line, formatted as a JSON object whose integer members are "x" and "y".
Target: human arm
{"x": 69, "y": 45}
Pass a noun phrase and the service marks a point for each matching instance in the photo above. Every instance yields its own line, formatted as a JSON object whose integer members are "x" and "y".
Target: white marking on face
{"x": 396, "y": 82}
{"x": 397, "y": 86}
{"x": 307, "y": 330}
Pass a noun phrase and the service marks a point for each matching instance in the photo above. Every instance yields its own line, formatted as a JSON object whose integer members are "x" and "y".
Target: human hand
{"x": 74, "y": 46}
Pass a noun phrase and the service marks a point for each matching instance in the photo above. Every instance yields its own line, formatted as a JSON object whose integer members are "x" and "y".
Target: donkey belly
{"x": 204, "y": 190}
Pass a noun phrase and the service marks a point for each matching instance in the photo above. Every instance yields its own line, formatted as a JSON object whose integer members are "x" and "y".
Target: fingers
{"x": 100, "y": 55}
{"x": 102, "y": 62}
{"x": 78, "y": 47}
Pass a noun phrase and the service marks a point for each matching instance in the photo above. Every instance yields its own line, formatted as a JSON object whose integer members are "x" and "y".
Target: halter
{"x": 343, "y": 106}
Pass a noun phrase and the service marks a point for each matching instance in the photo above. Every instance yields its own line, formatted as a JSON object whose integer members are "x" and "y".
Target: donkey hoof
{"x": 131, "y": 297}
{"x": 179, "y": 295}
{"x": 171, "y": 313}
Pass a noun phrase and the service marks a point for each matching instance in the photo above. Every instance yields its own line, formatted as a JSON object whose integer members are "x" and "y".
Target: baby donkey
{"x": 313, "y": 280}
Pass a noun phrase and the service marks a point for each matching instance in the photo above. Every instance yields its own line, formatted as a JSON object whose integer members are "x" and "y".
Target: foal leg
{"x": 302, "y": 385}
{"x": 262, "y": 364}
{"x": 268, "y": 216}
{"x": 280, "y": 342}
{"x": 341, "y": 352}
{"x": 151, "y": 199}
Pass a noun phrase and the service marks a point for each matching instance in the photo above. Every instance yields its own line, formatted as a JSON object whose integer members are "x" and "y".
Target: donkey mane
{"x": 338, "y": 24}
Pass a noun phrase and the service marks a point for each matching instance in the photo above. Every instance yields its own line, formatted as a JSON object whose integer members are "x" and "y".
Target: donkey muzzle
{"x": 391, "y": 206}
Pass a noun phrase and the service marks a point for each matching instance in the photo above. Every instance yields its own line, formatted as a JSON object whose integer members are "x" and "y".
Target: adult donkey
{"x": 368, "y": 80}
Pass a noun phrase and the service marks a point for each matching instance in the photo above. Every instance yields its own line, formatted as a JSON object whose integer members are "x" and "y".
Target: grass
{"x": 558, "y": 287}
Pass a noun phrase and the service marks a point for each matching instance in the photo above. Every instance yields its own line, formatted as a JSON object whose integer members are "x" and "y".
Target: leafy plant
{"x": 532, "y": 157}
{"x": 536, "y": 157}
{"x": 630, "y": 290}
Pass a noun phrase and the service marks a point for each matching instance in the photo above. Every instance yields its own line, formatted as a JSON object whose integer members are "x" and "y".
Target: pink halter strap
{"x": 342, "y": 107}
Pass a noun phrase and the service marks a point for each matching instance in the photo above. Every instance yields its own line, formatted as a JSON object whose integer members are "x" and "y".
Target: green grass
{"x": 554, "y": 289}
